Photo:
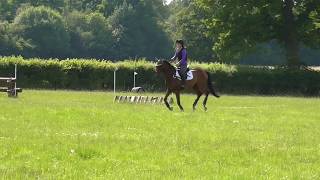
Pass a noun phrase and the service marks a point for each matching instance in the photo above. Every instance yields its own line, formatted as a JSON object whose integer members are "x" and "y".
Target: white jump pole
{"x": 15, "y": 78}
{"x": 134, "y": 72}
{"x": 15, "y": 71}
{"x": 134, "y": 79}
{"x": 114, "y": 80}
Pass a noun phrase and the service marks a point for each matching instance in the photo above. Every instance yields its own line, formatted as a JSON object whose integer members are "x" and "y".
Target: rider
{"x": 181, "y": 55}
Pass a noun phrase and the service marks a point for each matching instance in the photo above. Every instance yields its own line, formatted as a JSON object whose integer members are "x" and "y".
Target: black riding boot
{"x": 183, "y": 82}
{"x": 183, "y": 75}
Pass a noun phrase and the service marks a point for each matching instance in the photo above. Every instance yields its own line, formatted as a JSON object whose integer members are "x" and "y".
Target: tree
{"x": 238, "y": 26}
{"x": 9, "y": 8}
{"x": 137, "y": 31}
{"x": 114, "y": 29}
{"x": 91, "y": 35}
{"x": 5, "y": 12}
{"x": 46, "y": 31}
{"x": 186, "y": 23}
{"x": 7, "y": 41}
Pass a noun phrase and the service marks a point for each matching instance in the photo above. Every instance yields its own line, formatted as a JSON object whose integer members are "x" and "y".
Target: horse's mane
{"x": 172, "y": 68}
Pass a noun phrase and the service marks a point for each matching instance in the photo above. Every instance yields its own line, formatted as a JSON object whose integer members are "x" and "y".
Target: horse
{"x": 200, "y": 84}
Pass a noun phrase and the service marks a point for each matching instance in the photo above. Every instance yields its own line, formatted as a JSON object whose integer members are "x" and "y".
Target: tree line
{"x": 103, "y": 29}
{"x": 255, "y": 32}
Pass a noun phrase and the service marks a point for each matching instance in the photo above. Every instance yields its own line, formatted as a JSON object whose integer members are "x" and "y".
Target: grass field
{"x": 83, "y": 135}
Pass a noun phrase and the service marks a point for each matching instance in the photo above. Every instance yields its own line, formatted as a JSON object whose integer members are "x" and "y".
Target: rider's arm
{"x": 178, "y": 64}
{"x": 174, "y": 57}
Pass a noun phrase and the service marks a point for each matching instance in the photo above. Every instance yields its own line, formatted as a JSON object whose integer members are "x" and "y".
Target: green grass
{"x": 83, "y": 135}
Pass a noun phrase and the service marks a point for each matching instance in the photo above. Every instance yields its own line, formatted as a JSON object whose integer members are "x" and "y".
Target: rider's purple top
{"x": 182, "y": 56}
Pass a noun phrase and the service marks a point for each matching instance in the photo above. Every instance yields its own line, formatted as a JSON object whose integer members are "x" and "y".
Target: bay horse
{"x": 200, "y": 84}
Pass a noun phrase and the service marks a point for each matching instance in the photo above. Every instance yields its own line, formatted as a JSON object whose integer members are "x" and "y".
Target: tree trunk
{"x": 290, "y": 35}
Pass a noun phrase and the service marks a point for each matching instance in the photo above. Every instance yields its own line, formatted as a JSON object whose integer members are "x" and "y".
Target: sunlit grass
{"x": 83, "y": 135}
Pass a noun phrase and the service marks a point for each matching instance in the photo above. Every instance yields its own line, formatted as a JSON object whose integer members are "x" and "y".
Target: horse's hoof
{"x": 205, "y": 109}
{"x": 194, "y": 109}
{"x": 170, "y": 108}
{"x": 182, "y": 110}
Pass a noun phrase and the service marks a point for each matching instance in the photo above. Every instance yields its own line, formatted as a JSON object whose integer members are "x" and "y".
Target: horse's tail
{"x": 210, "y": 87}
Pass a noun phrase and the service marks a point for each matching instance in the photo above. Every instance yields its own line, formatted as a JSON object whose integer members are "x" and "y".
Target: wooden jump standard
{"x": 9, "y": 85}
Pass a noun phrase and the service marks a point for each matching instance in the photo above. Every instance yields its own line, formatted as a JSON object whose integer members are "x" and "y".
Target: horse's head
{"x": 163, "y": 66}
{"x": 160, "y": 66}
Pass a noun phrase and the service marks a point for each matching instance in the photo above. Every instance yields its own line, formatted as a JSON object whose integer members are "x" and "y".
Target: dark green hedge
{"x": 98, "y": 75}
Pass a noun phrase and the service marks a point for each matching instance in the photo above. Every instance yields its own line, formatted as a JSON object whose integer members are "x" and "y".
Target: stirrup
{"x": 182, "y": 86}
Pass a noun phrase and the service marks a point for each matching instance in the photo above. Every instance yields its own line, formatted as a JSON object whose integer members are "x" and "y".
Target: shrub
{"x": 93, "y": 74}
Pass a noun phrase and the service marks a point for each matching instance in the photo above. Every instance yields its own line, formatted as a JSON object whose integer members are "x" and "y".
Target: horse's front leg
{"x": 178, "y": 101}
{"x": 166, "y": 100}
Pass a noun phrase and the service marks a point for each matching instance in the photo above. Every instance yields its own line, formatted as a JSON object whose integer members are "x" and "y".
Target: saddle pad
{"x": 189, "y": 75}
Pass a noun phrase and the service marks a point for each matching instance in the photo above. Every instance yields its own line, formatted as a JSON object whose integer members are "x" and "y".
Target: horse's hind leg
{"x": 205, "y": 102}
{"x": 196, "y": 101}
{"x": 198, "y": 92}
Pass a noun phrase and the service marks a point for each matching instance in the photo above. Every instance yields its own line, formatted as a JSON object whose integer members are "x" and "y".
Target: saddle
{"x": 189, "y": 74}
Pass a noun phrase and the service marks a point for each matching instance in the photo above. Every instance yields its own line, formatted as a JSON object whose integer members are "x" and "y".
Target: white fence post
{"x": 15, "y": 81}
{"x": 114, "y": 80}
